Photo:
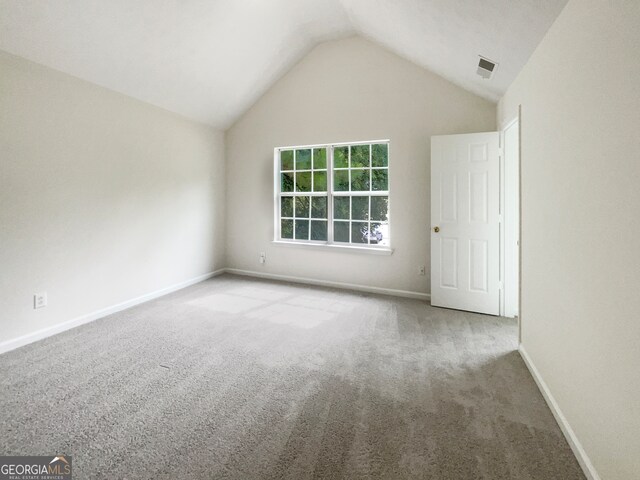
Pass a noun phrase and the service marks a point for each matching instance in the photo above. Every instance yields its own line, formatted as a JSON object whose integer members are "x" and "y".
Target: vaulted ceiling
{"x": 210, "y": 60}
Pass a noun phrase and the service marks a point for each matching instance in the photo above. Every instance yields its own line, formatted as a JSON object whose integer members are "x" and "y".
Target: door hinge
{"x": 500, "y": 286}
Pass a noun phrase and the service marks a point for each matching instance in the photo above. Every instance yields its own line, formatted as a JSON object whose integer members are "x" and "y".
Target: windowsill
{"x": 336, "y": 248}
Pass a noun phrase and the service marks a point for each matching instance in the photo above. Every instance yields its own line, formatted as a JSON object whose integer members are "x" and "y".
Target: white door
{"x": 465, "y": 228}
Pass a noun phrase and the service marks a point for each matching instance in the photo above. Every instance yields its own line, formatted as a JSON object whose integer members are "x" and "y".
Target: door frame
{"x": 508, "y": 225}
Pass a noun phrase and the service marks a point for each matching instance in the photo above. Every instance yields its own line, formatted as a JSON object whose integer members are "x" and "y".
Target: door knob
{"x": 436, "y": 229}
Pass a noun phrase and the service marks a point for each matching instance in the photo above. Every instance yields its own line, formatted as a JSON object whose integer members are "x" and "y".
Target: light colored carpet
{"x": 243, "y": 379}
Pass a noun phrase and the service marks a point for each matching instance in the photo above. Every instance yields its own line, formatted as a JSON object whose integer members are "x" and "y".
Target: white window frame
{"x": 330, "y": 194}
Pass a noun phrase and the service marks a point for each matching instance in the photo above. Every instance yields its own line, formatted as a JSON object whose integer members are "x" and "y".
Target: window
{"x": 333, "y": 194}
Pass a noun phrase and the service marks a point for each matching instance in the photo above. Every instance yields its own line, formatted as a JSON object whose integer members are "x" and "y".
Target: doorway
{"x": 475, "y": 221}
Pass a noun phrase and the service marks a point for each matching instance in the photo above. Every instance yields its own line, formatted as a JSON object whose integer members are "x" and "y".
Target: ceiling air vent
{"x": 486, "y": 67}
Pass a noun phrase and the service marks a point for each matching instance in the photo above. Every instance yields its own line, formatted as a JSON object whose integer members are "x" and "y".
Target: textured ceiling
{"x": 209, "y": 60}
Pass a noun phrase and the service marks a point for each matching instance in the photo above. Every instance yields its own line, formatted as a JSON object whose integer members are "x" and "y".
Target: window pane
{"x": 302, "y": 207}
{"x": 319, "y": 230}
{"x": 319, "y": 181}
{"x": 340, "y": 231}
{"x": 341, "y": 180}
{"x": 286, "y": 160}
{"x": 341, "y": 157}
{"x": 378, "y": 234}
{"x": 359, "y": 180}
{"x": 318, "y": 207}
{"x": 286, "y": 206}
{"x": 379, "y": 208}
{"x": 359, "y": 156}
{"x": 384, "y": 230}
{"x": 341, "y": 208}
{"x": 360, "y": 208}
{"x": 286, "y": 182}
{"x": 286, "y": 227}
{"x": 380, "y": 155}
{"x": 359, "y": 232}
{"x": 303, "y": 159}
{"x": 303, "y": 181}
{"x": 302, "y": 229}
{"x": 319, "y": 158}
{"x": 379, "y": 179}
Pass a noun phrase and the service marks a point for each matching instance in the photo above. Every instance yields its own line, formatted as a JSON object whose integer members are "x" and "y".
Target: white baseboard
{"x": 581, "y": 455}
{"x": 326, "y": 283}
{"x": 90, "y": 317}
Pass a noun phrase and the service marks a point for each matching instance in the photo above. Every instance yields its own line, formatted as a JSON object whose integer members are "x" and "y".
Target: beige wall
{"x": 102, "y": 198}
{"x": 580, "y": 96}
{"x": 346, "y": 90}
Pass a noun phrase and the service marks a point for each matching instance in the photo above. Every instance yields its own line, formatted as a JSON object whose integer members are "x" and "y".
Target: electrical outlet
{"x": 40, "y": 300}
{"x": 421, "y": 270}
{"x": 263, "y": 257}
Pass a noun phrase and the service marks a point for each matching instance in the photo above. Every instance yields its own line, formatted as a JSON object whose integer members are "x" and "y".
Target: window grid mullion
{"x": 369, "y": 222}
{"x": 278, "y": 209}
{"x": 350, "y": 210}
{"x": 369, "y": 197}
{"x": 370, "y": 173}
{"x": 310, "y": 200}
{"x": 313, "y": 177}
{"x": 350, "y": 195}
{"x": 330, "y": 239}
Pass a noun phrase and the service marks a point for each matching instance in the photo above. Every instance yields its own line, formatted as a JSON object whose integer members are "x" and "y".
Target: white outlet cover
{"x": 40, "y": 300}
